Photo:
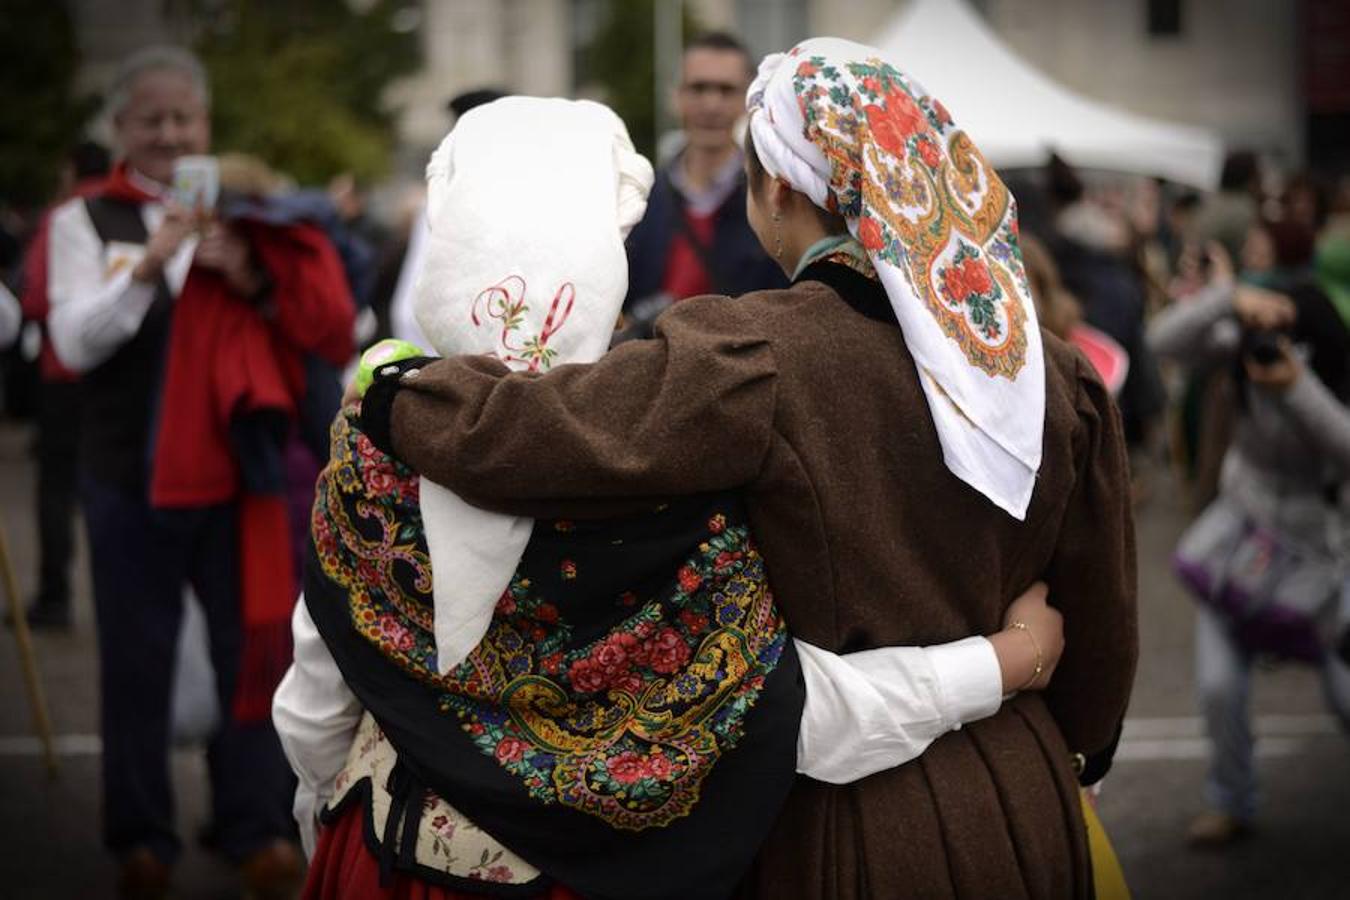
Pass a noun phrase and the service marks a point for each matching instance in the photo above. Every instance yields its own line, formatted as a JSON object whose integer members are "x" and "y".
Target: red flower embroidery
{"x": 627, "y": 768}
{"x": 610, "y": 656}
{"x": 569, "y": 570}
{"x": 393, "y": 632}
{"x": 869, "y": 233}
{"x": 552, "y": 663}
{"x": 689, "y": 579}
{"x": 379, "y": 479}
{"x": 629, "y": 682}
{"x": 724, "y": 560}
{"x": 943, "y": 117}
{"x": 443, "y": 827}
{"x": 871, "y": 85}
{"x": 507, "y": 604}
{"x": 893, "y": 122}
{"x": 968, "y": 277}
{"x": 586, "y": 676}
{"x": 669, "y": 651}
{"x": 807, "y": 69}
{"x": 628, "y": 598}
{"x": 659, "y": 767}
{"x": 546, "y": 612}
{"x": 717, "y": 524}
{"x": 499, "y": 873}
{"x": 930, "y": 153}
{"x": 697, "y": 623}
{"x": 365, "y": 448}
{"x": 510, "y": 749}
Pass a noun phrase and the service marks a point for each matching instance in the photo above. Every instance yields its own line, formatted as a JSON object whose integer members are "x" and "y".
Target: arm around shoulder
{"x": 691, "y": 410}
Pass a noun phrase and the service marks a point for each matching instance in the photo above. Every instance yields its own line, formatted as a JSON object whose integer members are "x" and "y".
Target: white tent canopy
{"x": 1016, "y": 115}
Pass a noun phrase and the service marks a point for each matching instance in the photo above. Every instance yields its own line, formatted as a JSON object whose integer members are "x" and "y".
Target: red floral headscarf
{"x": 843, "y": 126}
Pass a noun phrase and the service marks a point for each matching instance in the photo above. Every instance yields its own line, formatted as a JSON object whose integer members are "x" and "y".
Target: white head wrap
{"x": 843, "y": 126}
{"x": 528, "y": 203}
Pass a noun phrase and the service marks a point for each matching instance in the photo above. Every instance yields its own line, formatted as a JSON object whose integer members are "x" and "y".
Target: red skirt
{"x": 343, "y": 868}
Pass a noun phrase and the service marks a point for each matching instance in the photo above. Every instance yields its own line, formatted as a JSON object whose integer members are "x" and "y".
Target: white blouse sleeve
{"x": 11, "y": 317}
{"x": 873, "y": 710}
{"x": 865, "y": 712}
{"x": 96, "y": 306}
{"x": 316, "y": 716}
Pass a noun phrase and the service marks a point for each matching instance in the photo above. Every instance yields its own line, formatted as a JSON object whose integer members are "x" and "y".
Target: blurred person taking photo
{"x": 1262, "y": 559}
{"x": 188, "y": 332}
{"x": 694, "y": 238}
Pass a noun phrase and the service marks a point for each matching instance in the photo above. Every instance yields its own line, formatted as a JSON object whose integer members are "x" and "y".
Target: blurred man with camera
{"x": 132, "y": 273}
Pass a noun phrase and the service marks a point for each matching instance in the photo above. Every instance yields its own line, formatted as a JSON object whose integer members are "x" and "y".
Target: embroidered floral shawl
{"x": 629, "y": 723}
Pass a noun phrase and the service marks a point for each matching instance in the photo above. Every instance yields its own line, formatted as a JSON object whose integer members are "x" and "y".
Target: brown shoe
{"x": 276, "y": 872}
{"x": 143, "y": 876}
{"x": 1214, "y": 830}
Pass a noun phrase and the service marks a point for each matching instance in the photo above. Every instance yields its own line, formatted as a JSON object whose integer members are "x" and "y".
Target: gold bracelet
{"x": 1040, "y": 660}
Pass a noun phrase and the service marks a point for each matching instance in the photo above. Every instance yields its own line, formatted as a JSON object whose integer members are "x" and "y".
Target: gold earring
{"x": 777, "y": 236}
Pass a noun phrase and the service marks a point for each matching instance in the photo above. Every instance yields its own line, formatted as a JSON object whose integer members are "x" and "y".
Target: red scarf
{"x": 226, "y": 358}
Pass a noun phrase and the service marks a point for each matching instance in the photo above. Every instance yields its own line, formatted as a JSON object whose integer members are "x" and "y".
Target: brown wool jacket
{"x": 817, "y": 413}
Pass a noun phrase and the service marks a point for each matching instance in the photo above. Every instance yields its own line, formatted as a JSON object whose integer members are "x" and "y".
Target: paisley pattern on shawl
{"x": 926, "y": 202}
{"x": 624, "y": 724}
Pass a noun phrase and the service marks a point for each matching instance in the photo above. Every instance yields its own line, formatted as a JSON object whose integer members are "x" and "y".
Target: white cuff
{"x": 972, "y": 683}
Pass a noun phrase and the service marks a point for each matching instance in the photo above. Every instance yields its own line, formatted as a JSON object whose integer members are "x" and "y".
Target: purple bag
{"x": 1278, "y": 598}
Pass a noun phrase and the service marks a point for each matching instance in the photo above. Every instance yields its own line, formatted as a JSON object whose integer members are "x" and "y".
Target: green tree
{"x": 298, "y": 82}
{"x": 40, "y": 118}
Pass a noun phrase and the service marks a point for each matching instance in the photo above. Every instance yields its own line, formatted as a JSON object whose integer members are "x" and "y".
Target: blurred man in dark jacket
{"x": 694, "y": 238}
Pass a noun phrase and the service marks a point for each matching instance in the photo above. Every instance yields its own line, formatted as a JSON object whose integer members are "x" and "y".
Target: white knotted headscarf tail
{"x": 844, "y": 126}
{"x": 528, "y": 203}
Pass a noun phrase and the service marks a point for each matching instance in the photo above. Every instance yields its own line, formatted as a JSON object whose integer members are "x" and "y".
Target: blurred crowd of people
{"x": 180, "y": 367}
{"x": 1231, "y": 311}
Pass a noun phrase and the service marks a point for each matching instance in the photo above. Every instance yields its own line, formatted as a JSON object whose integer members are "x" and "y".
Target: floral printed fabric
{"x": 843, "y": 125}
{"x": 624, "y": 725}
{"x": 446, "y": 840}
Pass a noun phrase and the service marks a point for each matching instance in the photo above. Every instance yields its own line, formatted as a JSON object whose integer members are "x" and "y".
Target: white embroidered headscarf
{"x": 528, "y": 203}
{"x": 848, "y": 129}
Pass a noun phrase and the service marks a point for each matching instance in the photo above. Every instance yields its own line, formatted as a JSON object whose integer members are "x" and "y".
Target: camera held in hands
{"x": 1262, "y": 346}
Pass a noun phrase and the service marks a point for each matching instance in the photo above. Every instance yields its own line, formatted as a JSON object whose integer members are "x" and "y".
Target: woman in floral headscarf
{"x": 899, "y": 427}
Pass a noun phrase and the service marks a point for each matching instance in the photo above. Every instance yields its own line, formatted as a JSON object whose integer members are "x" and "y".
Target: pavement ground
{"x": 49, "y": 831}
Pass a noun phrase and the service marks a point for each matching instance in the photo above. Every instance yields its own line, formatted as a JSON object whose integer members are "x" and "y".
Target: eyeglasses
{"x": 724, "y": 90}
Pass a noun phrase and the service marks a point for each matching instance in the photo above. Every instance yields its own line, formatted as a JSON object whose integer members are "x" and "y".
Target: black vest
{"x": 122, "y": 393}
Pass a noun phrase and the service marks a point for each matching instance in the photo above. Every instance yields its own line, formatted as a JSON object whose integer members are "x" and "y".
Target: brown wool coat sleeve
{"x": 1092, "y": 579}
{"x": 689, "y": 411}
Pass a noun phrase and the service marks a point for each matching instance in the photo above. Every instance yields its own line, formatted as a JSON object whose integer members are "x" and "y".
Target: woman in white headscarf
{"x": 558, "y": 705}
{"x": 912, "y": 452}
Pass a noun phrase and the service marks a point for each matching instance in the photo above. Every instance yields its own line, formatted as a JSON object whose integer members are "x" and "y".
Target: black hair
{"x": 462, "y": 103}
{"x": 1062, "y": 183}
{"x": 1240, "y": 171}
{"x": 832, "y": 222}
{"x": 725, "y": 42}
